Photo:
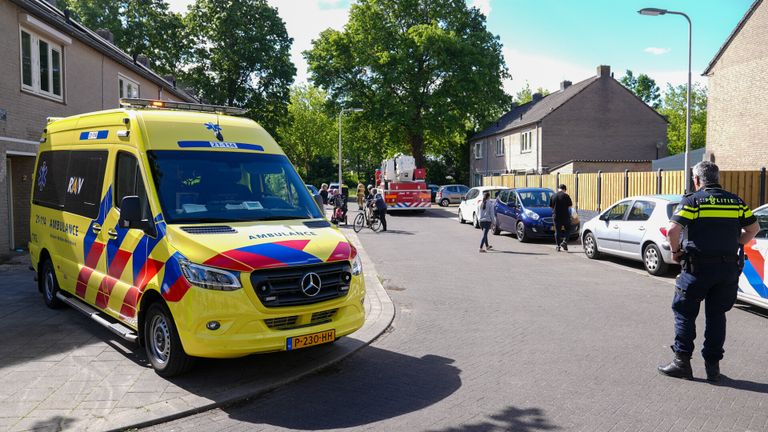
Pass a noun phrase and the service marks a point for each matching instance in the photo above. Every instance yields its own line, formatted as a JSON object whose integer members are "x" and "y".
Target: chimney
{"x": 604, "y": 71}
{"x": 171, "y": 80}
{"x": 142, "y": 60}
{"x": 536, "y": 97}
{"x": 106, "y": 35}
{"x": 565, "y": 84}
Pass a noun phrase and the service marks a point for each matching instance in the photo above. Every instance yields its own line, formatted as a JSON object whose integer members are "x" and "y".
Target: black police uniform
{"x": 713, "y": 218}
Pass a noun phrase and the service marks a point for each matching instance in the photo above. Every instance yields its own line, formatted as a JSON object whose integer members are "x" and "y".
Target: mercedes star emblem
{"x": 310, "y": 284}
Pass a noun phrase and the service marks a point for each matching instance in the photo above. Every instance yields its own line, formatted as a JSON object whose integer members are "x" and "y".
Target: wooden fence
{"x": 597, "y": 191}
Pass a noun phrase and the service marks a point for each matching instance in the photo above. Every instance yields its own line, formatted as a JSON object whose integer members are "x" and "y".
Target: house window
{"x": 128, "y": 87}
{"x": 500, "y": 147}
{"x": 40, "y": 65}
{"x": 478, "y": 150}
{"x": 526, "y": 142}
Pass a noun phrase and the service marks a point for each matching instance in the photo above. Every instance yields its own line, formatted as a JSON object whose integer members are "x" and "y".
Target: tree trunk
{"x": 417, "y": 149}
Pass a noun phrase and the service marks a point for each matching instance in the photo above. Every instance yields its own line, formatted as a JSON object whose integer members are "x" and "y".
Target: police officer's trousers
{"x": 715, "y": 284}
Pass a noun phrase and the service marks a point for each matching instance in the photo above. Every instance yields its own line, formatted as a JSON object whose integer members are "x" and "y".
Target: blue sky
{"x": 547, "y": 41}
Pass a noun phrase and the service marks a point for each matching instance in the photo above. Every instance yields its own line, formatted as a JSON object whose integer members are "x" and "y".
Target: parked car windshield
{"x": 762, "y": 220}
{"x": 211, "y": 186}
{"x": 537, "y": 198}
{"x": 493, "y": 192}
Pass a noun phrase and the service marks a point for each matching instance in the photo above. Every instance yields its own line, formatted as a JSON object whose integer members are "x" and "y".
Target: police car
{"x": 752, "y": 284}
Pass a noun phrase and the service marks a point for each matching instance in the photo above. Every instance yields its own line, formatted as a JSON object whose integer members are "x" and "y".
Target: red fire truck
{"x": 403, "y": 185}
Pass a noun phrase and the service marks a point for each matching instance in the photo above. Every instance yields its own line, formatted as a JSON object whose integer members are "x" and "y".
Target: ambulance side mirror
{"x": 131, "y": 215}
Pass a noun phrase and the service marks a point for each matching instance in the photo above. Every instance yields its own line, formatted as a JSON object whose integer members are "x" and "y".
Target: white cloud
{"x": 657, "y": 51}
{"x": 483, "y": 5}
{"x": 541, "y": 71}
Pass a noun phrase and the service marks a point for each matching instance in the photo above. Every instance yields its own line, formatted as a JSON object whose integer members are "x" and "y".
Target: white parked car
{"x": 634, "y": 228}
{"x": 468, "y": 208}
{"x": 752, "y": 284}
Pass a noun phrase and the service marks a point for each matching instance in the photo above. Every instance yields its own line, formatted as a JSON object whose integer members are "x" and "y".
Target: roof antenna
{"x": 218, "y": 129}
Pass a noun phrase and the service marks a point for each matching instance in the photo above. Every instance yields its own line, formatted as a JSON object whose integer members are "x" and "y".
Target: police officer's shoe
{"x": 680, "y": 367}
{"x": 713, "y": 370}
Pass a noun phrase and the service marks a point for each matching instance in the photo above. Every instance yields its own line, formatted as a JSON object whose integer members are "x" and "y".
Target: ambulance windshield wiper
{"x": 282, "y": 217}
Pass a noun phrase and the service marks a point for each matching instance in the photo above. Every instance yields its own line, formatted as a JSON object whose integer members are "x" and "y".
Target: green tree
{"x": 422, "y": 69}
{"x": 525, "y": 95}
{"x": 139, "y": 27}
{"x": 241, "y": 57}
{"x": 644, "y": 87}
{"x": 673, "y": 108}
{"x": 311, "y": 133}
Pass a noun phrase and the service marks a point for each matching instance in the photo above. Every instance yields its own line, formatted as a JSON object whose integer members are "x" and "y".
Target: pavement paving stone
{"x": 90, "y": 380}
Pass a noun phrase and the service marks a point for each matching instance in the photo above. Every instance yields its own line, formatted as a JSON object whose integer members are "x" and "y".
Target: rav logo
{"x": 75, "y": 185}
{"x": 41, "y": 175}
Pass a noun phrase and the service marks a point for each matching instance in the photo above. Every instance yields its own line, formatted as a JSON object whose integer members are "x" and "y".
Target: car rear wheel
{"x": 653, "y": 261}
{"x": 520, "y": 231}
{"x": 475, "y": 222}
{"x": 590, "y": 246}
{"x": 162, "y": 343}
{"x": 461, "y": 217}
{"x": 50, "y": 285}
{"x": 444, "y": 202}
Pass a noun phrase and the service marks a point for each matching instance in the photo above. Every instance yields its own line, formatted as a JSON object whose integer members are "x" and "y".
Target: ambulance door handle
{"x": 641, "y": 228}
{"x": 96, "y": 228}
{"x": 112, "y": 234}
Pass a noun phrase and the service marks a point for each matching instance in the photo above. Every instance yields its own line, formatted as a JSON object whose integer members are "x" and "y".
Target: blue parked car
{"x": 526, "y": 212}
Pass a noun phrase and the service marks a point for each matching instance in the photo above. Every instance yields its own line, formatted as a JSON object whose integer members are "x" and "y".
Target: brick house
{"x": 595, "y": 119}
{"x": 54, "y": 67}
{"x": 737, "y": 111}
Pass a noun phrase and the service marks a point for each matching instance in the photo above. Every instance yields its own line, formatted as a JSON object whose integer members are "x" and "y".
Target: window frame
{"x": 478, "y": 150}
{"x": 526, "y": 141}
{"x": 500, "y": 144}
{"x": 36, "y": 87}
{"x": 651, "y": 204}
{"x": 122, "y": 82}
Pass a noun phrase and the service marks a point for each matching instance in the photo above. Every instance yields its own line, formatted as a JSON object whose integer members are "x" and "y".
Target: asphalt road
{"x": 519, "y": 339}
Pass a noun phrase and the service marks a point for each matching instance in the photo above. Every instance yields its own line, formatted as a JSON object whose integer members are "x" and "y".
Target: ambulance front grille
{"x": 323, "y": 317}
{"x": 219, "y": 229}
{"x": 282, "y": 323}
{"x": 282, "y": 287}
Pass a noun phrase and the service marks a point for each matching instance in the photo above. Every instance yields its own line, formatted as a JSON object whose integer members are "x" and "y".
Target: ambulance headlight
{"x": 357, "y": 265}
{"x": 209, "y": 277}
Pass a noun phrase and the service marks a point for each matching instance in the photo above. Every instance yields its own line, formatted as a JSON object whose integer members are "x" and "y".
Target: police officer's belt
{"x": 699, "y": 259}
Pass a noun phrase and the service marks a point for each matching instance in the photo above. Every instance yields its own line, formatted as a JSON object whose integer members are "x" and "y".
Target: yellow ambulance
{"x": 187, "y": 230}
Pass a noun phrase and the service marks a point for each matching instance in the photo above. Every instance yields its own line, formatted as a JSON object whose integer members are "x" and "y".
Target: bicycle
{"x": 366, "y": 217}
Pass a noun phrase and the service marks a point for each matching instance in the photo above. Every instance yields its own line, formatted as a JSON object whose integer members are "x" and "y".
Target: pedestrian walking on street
{"x": 713, "y": 223}
{"x": 324, "y": 193}
{"x": 360, "y": 195}
{"x": 485, "y": 221}
{"x": 381, "y": 207}
{"x": 561, "y": 204}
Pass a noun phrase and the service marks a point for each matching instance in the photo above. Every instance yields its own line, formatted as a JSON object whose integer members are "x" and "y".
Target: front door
{"x": 120, "y": 289}
{"x": 609, "y": 225}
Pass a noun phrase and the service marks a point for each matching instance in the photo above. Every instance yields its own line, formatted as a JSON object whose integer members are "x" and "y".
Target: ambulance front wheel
{"x": 49, "y": 285}
{"x": 162, "y": 343}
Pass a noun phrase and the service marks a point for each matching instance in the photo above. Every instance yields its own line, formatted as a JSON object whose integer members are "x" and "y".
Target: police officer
{"x": 715, "y": 223}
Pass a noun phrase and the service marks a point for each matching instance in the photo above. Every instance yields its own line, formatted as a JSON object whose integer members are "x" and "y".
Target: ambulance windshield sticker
{"x": 75, "y": 185}
{"x": 41, "y": 175}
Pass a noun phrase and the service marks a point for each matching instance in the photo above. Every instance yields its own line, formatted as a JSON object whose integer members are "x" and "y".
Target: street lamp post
{"x": 657, "y": 12}
{"x": 344, "y": 110}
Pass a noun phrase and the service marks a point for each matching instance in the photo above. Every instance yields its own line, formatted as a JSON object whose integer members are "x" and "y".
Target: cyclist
{"x": 381, "y": 208}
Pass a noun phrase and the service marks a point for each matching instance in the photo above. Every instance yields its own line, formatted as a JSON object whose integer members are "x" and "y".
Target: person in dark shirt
{"x": 561, "y": 205}
{"x": 381, "y": 207}
{"x": 324, "y": 193}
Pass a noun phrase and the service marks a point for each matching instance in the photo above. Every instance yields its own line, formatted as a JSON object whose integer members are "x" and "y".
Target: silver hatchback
{"x": 450, "y": 194}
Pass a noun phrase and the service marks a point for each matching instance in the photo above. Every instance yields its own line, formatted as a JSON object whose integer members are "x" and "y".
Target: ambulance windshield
{"x": 216, "y": 186}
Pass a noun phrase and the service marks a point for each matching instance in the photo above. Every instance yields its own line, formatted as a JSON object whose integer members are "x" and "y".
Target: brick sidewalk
{"x": 61, "y": 371}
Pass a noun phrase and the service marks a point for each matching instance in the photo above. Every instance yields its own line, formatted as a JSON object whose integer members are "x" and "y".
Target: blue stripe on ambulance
{"x": 94, "y": 135}
{"x": 218, "y": 144}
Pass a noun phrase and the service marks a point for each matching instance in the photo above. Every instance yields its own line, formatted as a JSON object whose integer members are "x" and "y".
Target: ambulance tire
{"x": 49, "y": 285}
{"x": 162, "y": 343}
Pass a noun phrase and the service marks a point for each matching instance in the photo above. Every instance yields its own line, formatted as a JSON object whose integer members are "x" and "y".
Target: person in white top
{"x": 485, "y": 221}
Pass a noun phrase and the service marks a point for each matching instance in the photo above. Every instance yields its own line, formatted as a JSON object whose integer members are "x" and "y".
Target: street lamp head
{"x": 652, "y": 11}
{"x": 356, "y": 109}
